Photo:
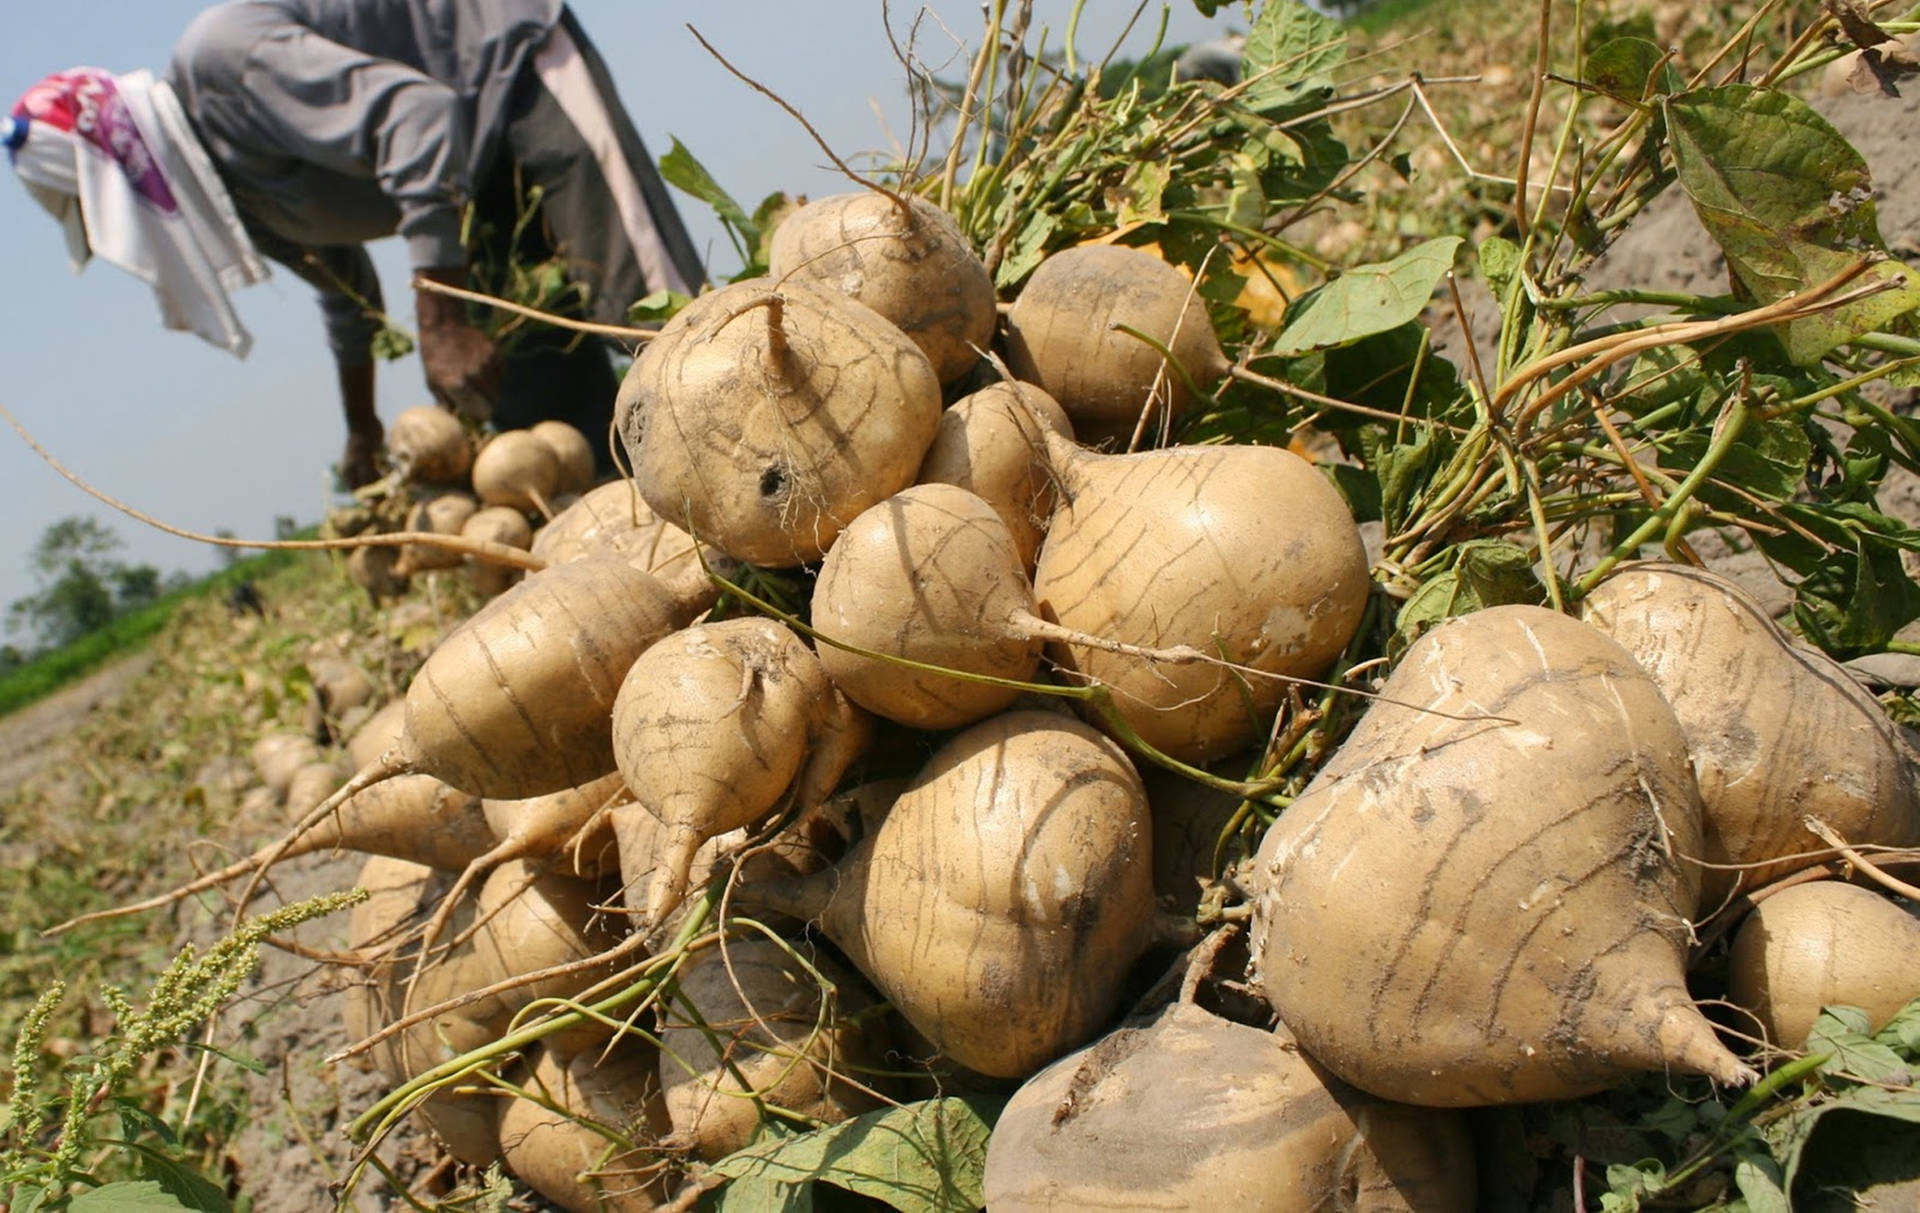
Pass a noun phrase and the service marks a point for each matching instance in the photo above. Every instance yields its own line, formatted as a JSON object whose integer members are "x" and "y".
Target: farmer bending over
{"x": 300, "y": 129}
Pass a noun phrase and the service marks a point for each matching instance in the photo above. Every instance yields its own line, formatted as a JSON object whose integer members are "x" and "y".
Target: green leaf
{"x": 25, "y": 1200}
{"x": 1853, "y": 599}
{"x": 1368, "y": 299}
{"x": 1842, "y": 1031}
{"x": 660, "y": 306}
{"x": 1378, "y": 372}
{"x": 1902, "y": 1032}
{"x": 1626, "y": 67}
{"x": 182, "y": 1182}
{"x": 766, "y": 217}
{"x": 1761, "y": 1183}
{"x": 1403, "y": 471}
{"x": 1790, "y": 202}
{"x": 1141, "y": 190}
{"x": 1291, "y": 51}
{"x": 1850, "y": 1141}
{"x": 1305, "y": 162}
{"x": 1485, "y": 573}
{"x": 1247, "y": 198}
{"x": 391, "y": 342}
{"x": 132, "y": 1196}
{"x": 1026, "y": 251}
{"x": 1627, "y": 1187}
{"x": 1673, "y": 1120}
{"x": 757, "y": 1194}
{"x": 921, "y": 1156}
{"x": 1499, "y": 264}
{"x": 680, "y": 168}
{"x": 1361, "y": 490}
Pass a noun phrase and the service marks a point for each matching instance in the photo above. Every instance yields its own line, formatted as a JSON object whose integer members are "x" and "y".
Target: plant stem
{"x": 1723, "y": 442}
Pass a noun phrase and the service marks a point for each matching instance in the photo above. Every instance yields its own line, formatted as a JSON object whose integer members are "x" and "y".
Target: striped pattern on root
{"x": 1491, "y": 906}
{"x": 767, "y": 419}
{"x": 1777, "y": 731}
{"x": 918, "y": 272}
{"x": 998, "y": 904}
{"x": 518, "y": 701}
{"x": 1245, "y": 552}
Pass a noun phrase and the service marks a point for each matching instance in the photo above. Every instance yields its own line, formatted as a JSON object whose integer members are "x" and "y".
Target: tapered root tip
{"x": 1689, "y": 1044}
{"x": 668, "y": 888}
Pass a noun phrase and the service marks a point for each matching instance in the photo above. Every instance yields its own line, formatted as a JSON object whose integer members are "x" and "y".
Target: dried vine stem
{"x": 899, "y": 200}
{"x": 1861, "y": 863}
{"x": 480, "y": 549}
{"x": 533, "y": 313}
{"x": 1596, "y": 356}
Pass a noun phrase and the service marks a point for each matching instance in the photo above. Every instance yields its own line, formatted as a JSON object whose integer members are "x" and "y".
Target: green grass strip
{"x": 49, "y": 672}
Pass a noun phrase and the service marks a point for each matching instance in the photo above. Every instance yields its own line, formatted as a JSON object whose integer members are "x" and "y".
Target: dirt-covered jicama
{"x": 414, "y": 817}
{"x": 411, "y": 817}
{"x": 376, "y": 570}
{"x": 311, "y": 785}
{"x": 1000, "y": 901}
{"x": 1203, "y": 1113}
{"x": 550, "y": 826}
{"x": 903, "y": 257}
{"x": 715, "y": 727}
{"x": 539, "y": 828}
{"x": 1483, "y": 897}
{"x": 442, "y": 514}
{"x": 429, "y": 444}
{"x": 1243, "y": 552}
{"x": 572, "y": 450}
{"x": 772, "y": 1025}
{"x": 1818, "y": 945}
{"x": 529, "y": 920}
{"x": 340, "y": 695}
{"x": 401, "y": 895}
{"x": 1066, "y": 333}
{"x": 568, "y": 1137}
{"x": 496, "y": 524}
{"x": 613, "y": 520}
{"x": 378, "y": 733}
{"x": 517, "y": 469}
{"x": 516, "y": 702}
{"x": 277, "y": 756}
{"x": 561, "y": 641}
{"x": 990, "y": 443}
{"x": 522, "y": 922}
{"x": 1777, "y": 731}
{"x": 929, "y": 575}
{"x": 767, "y": 416}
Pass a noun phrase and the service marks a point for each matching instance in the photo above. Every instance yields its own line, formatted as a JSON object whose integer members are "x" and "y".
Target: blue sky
{"x": 192, "y": 435}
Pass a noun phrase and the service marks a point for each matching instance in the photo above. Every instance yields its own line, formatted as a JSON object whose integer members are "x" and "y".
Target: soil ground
{"x": 28, "y": 736}
{"x": 126, "y": 725}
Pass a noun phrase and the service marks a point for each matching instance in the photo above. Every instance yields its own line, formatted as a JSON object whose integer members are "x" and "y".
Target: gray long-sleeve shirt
{"x": 334, "y": 122}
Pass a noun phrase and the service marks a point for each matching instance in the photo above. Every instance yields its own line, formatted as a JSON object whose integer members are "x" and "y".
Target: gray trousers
{"x": 592, "y": 174}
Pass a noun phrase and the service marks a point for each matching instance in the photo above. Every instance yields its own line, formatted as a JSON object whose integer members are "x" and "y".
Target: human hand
{"x": 462, "y": 367}
{"x": 462, "y": 364}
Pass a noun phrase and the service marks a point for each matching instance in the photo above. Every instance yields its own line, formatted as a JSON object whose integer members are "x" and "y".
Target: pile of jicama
{"x": 658, "y": 866}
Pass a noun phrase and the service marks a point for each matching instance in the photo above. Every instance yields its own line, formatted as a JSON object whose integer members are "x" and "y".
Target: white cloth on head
{"x": 114, "y": 160}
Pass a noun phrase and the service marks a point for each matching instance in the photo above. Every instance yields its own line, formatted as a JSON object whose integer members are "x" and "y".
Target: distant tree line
{"x": 83, "y": 586}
